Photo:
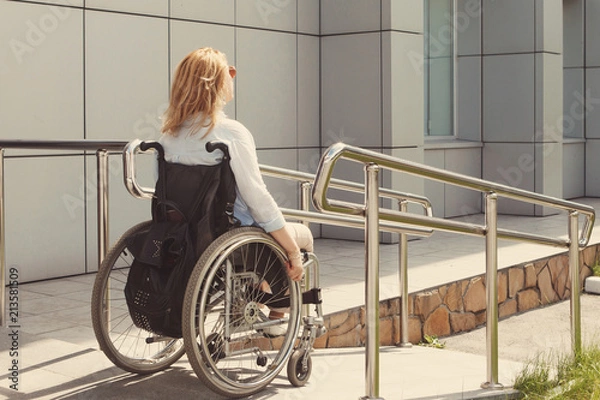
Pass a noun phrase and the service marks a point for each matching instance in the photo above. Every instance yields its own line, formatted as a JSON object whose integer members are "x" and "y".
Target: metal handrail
{"x": 341, "y": 150}
{"x": 77, "y": 145}
{"x": 349, "y": 186}
{"x": 370, "y": 211}
{"x": 101, "y": 147}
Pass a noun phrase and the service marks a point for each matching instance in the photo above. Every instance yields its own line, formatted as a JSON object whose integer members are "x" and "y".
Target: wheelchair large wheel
{"x": 227, "y": 333}
{"x": 127, "y": 346}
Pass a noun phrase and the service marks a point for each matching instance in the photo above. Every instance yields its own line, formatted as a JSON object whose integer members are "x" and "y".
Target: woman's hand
{"x": 295, "y": 269}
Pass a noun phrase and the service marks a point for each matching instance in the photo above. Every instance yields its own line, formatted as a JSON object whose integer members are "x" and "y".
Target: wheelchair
{"x": 224, "y": 317}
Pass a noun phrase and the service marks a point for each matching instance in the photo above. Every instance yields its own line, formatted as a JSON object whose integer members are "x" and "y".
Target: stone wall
{"x": 460, "y": 306}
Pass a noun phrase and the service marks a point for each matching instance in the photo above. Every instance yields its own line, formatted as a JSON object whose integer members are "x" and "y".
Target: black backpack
{"x": 192, "y": 206}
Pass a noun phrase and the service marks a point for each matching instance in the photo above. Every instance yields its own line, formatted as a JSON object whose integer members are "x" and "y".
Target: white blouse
{"x": 254, "y": 204}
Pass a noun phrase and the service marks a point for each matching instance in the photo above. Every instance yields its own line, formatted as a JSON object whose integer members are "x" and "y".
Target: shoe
{"x": 274, "y": 331}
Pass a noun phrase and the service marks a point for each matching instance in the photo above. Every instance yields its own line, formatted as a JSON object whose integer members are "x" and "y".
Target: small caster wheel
{"x": 298, "y": 374}
{"x": 261, "y": 360}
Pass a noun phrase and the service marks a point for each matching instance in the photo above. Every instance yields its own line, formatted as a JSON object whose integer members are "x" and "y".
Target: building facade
{"x": 504, "y": 90}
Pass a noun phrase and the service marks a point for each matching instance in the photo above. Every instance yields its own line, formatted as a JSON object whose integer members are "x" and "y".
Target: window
{"x": 439, "y": 67}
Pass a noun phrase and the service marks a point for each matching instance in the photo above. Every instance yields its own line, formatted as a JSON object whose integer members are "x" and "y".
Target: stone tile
{"x": 516, "y": 281}
{"x": 475, "y": 296}
{"x": 386, "y": 332}
{"x": 547, "y": 293}
{"x": 40, "y": 324}
{"x": 79, "y": 335}
{"x": 56, "y": 287}
{"x": 530, "y": 276}
{"x": 502, "y": 286}
{"x": 508, "y": 308}
{"x": 528, "y": 299}
{"x": 453, "y": 298}
{"x": 426, "y": 303}
{"x": 438, "y": 323}
{"x": 48, "y": 304}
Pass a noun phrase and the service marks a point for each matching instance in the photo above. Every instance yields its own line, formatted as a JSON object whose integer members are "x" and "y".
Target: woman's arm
{"x": 295, "y": 270}
{"x": 262, "y": 206}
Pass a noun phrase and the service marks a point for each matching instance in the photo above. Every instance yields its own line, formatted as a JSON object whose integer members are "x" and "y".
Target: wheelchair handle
{"x": 145, "y": 146}
{"x": 130, "y": 181}
{"x": 212, "y": 146}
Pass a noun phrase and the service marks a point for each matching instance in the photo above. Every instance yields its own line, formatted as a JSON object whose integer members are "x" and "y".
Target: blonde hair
{"x": 199, "y": 88}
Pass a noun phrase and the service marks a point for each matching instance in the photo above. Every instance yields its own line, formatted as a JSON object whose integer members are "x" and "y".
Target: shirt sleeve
{"x": 251, "y": 187}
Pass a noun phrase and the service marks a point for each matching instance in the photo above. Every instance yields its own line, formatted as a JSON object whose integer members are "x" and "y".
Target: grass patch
{"x": 432, "y": 341}
{"x": 567, "y": 378}
{"x": 596, "y": 269}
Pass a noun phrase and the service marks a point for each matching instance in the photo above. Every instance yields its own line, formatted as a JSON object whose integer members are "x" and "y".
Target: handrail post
{"x": 305, "y": 188}
{"x": 403, "y": 257}
{"x": 491, "y": 276}
{"x": 2, "y": 245}
{"x": 372, "y": 281}
{"x": 102, "y": 193}
{"x": 575, "y": 282}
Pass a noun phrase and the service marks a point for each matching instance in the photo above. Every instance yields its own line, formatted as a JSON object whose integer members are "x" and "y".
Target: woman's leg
{"x": 301, "y": 234}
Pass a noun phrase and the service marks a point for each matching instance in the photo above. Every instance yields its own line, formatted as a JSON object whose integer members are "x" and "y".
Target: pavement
{"x": 57, "y": 355}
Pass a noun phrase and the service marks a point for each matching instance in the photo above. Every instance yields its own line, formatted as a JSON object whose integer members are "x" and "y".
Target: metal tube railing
{"x": 403, "y": 278}
{"x": 102, "y": 182}
{"x": 575, "y": 284}
{"x": 491, "y": 284}
{"x": 490, "y": 231}
{"x": 371, "y": 213}
{"x": 349, "y": 186}
{"x": 101, "y": 148}
{"x": 340, "y": 150}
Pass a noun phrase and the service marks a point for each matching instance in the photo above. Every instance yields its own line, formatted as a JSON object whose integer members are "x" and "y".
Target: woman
{"x": 202, "y": 85}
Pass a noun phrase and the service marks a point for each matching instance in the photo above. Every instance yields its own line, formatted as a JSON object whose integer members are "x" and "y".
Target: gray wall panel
{"x": 592, "y": 51}
{"x": 222, "y": 11}
{"x": 592, "y": 165}
{"x": 502, "y": 37}
{"x": 267, "y": 63}
{"x": 343, "y": 16}
{"x": 508, "y": 98}
{"x": 468, "y": 27}
{"x": 469, "y": 98}
{"x": 459, "y": 201}
{"x": 573, "y": 35}
{"x": 511, "y": 164}
{"x": 277, "y": 15}
{"x": 592, "y": 96}
{"x": 351, "y": 96}
{"x": 573, "y": 170}
{"x": 41, "y": 72}
{"x": 45, "y": 227}
{"x": 127, "y": 70}
{"x": 402, "y": 86}
{"x": 309, "y": 103}
{"x": 573, "y": 103}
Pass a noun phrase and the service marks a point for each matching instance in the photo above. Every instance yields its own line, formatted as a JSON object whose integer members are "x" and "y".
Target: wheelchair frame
{"x": 233, "y": 357}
